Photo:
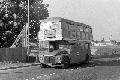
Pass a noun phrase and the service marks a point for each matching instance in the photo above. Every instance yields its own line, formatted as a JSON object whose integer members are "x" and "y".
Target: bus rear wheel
{"x": 65, "y": 62}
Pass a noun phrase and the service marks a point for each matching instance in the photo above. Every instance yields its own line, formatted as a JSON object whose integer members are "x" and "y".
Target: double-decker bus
{"x": 63, "y": 42}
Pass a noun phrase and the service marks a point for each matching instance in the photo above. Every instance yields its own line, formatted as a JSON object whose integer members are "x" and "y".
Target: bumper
{"x": 53, "y": 65}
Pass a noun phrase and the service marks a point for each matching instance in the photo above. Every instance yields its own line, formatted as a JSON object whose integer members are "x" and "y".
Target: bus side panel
{"x": 72, "y": 55}
{"x": 76, "y": 54}
{"x": 81, "y": 52}
{"x": 86, "y": 51}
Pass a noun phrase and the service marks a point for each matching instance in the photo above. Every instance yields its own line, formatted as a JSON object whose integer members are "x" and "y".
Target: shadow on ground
{"x": 76, "y": 66}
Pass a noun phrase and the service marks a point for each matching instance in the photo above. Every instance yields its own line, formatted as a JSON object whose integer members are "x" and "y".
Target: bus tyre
{"x": 43, "y": 65}
{"x": 65, "y": 62}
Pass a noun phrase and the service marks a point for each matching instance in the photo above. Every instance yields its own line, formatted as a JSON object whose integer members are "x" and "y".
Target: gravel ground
{"x": 99, "y": 69}
{"x": 95, "y": 72}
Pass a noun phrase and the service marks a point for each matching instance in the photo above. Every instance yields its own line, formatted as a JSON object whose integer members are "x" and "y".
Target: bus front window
{"x": 53, "y": 45}
{"x": 49, "y": 46}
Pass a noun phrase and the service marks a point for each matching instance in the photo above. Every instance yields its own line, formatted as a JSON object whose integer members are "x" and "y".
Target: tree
{"x": 13, "y": 15}
{"x": 38, "y": 11}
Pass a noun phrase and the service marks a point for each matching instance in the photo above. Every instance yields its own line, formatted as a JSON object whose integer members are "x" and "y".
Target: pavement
{"x": 17, "y": 65}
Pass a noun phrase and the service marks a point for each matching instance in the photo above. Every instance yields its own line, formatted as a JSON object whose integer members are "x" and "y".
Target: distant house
{"x": 108, "y": 42}
{"x": 98, "y": 43}
{"x": 104, "y": 43}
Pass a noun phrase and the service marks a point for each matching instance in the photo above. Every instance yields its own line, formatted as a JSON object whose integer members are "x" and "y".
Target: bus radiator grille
{"x": 49, "y": 59}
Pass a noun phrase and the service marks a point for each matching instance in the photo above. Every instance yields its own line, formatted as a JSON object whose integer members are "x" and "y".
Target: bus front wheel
{"x": 43, "y": 65}
{"x": 65, "y": 62}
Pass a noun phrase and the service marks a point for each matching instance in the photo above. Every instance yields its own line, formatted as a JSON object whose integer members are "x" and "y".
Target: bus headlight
{"x": 41, "y": 58}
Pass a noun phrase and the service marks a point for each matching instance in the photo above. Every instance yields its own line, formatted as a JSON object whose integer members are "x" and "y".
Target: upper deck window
{"x": 91, "y": 30}
{"x": 45, "y": 25}
{"x": 55, "y": 25}
{"x": 81, "y": 28}
{"x": 49, "y": 25}
{"x": 87, "y": 30}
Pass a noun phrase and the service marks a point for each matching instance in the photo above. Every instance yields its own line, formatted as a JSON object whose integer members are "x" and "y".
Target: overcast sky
{"x": 102, "y": 15}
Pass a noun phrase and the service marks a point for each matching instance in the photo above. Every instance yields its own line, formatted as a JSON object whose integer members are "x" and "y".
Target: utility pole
{"x": 28, "y": 27}
{"x": 27, "y": 33}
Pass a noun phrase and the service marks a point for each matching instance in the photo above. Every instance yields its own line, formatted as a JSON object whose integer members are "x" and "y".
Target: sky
{"x": 102, "y": 15}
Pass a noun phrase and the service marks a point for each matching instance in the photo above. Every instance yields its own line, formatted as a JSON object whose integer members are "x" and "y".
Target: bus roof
{"x": 60, "y": 19}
